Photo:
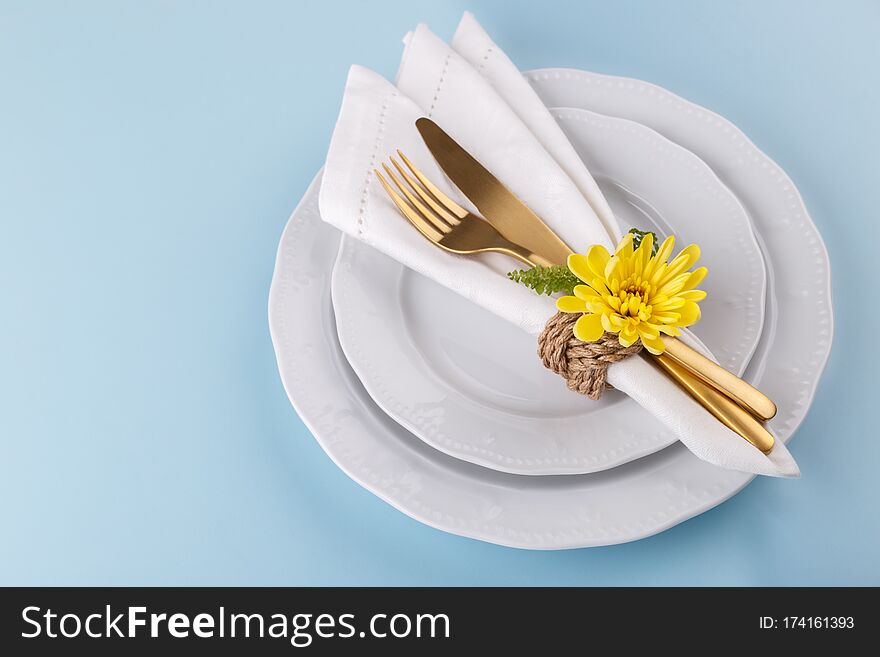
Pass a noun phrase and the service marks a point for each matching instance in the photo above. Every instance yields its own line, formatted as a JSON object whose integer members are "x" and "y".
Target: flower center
{"x": 633, "y": 299}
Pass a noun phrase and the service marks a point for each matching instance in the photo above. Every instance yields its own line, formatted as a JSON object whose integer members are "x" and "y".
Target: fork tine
{"x": 414, "y": 218}
{"x": 442, "y": 212}
{"x": 425, "y": 213}
{"x": 444, "y": 200}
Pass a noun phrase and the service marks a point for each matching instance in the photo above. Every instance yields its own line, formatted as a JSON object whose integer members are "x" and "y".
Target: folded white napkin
{"x": 479, "y": 97}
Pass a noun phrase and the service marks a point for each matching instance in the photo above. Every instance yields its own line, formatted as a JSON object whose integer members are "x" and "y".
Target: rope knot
{"x": 583, "y": 365}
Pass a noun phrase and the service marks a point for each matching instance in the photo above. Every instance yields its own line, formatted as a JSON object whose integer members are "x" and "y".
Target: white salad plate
{"x": 622, "y": 504}
{"x": 425, "y": 355}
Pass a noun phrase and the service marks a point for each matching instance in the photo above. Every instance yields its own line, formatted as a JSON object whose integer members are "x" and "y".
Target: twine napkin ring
{"x": 583, "y": 365}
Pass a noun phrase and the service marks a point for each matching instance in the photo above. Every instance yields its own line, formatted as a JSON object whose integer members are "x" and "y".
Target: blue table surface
{"x": 150, "y": 154}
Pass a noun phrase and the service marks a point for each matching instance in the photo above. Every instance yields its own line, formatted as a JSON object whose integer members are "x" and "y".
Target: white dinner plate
{"x": 423, "y": 354}
{"x": 622, "y": 504}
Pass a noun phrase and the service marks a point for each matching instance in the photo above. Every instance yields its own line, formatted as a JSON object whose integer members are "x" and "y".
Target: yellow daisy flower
{"x": 634, "y": 294}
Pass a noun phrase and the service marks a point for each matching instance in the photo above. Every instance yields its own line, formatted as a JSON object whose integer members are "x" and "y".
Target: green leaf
{"x": 638, "y": 235}
{"x": 546, "y": 280}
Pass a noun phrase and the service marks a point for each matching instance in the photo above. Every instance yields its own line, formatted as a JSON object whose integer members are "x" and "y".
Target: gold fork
{"x": 442, "y": 220}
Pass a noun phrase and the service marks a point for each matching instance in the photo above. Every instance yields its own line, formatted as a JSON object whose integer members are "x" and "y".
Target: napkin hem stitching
{"x": 380, "y": 129}
{"x": 440, "y": 83}
{"x": 485, "y": 59}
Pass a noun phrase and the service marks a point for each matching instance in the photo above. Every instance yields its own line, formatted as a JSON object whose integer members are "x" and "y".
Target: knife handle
{"x": 724, "y": 409}
{"x": 719, "y": 378}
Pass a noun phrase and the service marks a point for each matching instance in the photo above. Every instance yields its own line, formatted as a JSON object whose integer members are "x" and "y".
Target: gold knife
{"x": 501, "y": 208}
{"x": 518, "y": 223}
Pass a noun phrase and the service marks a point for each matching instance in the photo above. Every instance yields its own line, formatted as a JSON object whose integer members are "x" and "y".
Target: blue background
{"x": 150, "y": 154}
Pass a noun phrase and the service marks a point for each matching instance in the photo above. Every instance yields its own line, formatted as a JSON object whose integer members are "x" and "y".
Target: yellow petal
{"x": 690, "y": 313}
{"x": 657, "y": 299}
{"x": 658, "y": 274}
{"x": 584, "y": 292}
{"x": 571, "y": 305}
{"x": 634, "y": 305}
{"x": 612, "y": 268}
{"x": 666, "y": 318}
{"x": 628, "y": 335}
{"x": 625, "y": 246}
{"x": 692, "y": 295}
{"x": 599, "y": 285}
{"x": 588, "y": 328}
{"x": 597, "y": 258}
{"x": 655, "y": 262}
{"x": 654, "y": 345}
{"x": 642, "y": 255}
{"x": 577, "y": 263}
{"x": 677, "y": 266}
{"x": 697, "y": 276}
{"x": 615, "y": 321}
{"x": 691, "y": 252}
{"x": 647, "y": 330}
{"x": 674, "y": 285}
{"x": 647, "y": 242}
{"x": 672, "y": 304}
{"x": 665, "y": 249}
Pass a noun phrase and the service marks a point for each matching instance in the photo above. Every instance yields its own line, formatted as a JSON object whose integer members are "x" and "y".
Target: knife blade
{"x": 500, "y": 207}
